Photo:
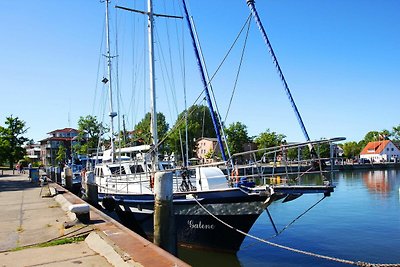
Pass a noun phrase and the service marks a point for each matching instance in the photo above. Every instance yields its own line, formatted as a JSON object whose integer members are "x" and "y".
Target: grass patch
{"x": 54, "y": 206}
{"x": 62, "y": 241}
{"x": 20, "y": 229}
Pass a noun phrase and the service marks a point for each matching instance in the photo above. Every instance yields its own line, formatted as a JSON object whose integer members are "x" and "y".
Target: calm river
{"x": 359, "y": 222}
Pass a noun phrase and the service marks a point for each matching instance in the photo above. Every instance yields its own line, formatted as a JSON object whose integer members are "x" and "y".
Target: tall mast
{"x": 112, "y": 114}
{"x": 257, "y": 19}
{"x": 204, "y": 81}
{"x": 153, "y": 110}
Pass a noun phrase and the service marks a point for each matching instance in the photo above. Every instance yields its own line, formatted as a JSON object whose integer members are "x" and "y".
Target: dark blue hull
{"x": 194, "y": 226}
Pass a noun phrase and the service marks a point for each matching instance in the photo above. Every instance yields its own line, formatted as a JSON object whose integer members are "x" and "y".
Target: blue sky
{"x": 340, "y": 58}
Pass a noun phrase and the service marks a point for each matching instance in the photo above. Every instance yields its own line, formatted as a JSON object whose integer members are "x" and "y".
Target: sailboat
{"x": 214, "y": 207}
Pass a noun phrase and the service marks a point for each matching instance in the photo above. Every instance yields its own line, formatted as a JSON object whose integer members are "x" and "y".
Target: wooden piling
{"x": 58, "y": 175}
{"x": 68, "y": 177}
{"x": 90, "y": 188}
{"x": 164, "y": 220}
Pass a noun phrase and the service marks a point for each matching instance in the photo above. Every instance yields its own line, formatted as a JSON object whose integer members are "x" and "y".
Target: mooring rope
{"x": 356, "y": 263}
{"x": 298, "y": 217}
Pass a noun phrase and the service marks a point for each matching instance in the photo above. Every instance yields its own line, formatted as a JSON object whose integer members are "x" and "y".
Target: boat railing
{"x": 274, "y": 149}
{"x": 273, "y": 164}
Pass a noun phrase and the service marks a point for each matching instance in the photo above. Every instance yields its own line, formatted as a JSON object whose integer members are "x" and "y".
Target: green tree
{"x": 351, "y": 149}
{"x": 11, "y": 140}
{"x": 385, "y": 134}
{"x": 61, "y": 153}
{"x": 199, "y": 124}
{"x": 396, "y": 134}
{"x": 323, "y": 150}
{"x": 90, "y": 131}
{"x": 293, "y": 153}
{"x": 3, "y": 147}
{"x": 209, "y": 154}
{"x": 142, "y": 129}
{"x": 237, "y": 136}
{"x": 269, "y": 139}
{"x": 374, "y": 136}
{"x": 371, "y": 136}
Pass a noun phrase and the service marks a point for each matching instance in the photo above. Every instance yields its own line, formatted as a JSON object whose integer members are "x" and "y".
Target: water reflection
{"x": 359, "y": 221}
{"x": 207, "y": 258}
{"x": 377, "y": 181}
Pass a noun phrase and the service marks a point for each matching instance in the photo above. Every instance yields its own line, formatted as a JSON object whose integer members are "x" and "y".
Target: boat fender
{"x": 151, "y": 181}
{"x": 271, "y": 193}
{"x": 109, "y": 203}
{"x": 235, "y": 175}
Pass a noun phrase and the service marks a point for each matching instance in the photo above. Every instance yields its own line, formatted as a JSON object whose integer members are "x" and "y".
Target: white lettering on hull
{"x": 200, "y": 225}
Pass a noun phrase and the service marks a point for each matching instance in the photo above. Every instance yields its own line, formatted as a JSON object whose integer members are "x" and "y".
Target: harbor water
{"x": 360, "y": 221}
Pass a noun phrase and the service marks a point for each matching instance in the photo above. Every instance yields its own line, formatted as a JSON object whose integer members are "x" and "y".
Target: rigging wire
{"x": 98, "y": 67}
{"x": 204, "y": 118}
{"x": 230, "y": 49}
{"x": 183, "y": 71}
{"x": 176, "y": 126}
{"x": 119, "y": 100}
{"x": 210, "y": 79}
{"x": 257, "y": 20}
{"x": 135, "y": 69}
{"x": 289, "y": 224}
{"x": 208, "y": 84}
{"x": 168, "y": 76}
{"x": 239, "y": 68}
{"x": 172, "y": 82}
{"x": 356, "y": 263}
{"x": 163, "y": 71}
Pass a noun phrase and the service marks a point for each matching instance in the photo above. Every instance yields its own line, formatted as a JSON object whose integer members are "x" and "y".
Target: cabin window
{"x": 99, "y": 172}
{"x": 117, "y": 170}
{"x": 136, "y": 169}
{"x": 166, "y": 166}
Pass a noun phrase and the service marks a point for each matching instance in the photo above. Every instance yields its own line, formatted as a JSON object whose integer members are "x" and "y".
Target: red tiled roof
{"x": 57, "y": 139}
{"x": 375, "y": 147}
{"x": 65, "y": 130}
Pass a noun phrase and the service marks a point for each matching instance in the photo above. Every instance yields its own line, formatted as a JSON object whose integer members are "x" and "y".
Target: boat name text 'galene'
{"x": 200, "y": 225}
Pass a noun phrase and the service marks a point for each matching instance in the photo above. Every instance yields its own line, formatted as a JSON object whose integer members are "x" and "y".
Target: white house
{"x": 379, "y": 151}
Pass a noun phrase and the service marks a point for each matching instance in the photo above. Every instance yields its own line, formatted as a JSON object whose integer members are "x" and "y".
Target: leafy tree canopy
{"x": 351, "y": 149}
{"x": 199, "y": 124}
{"x": 90, "y": 131}
{"x": 269, "y": 139}
{"x": 12, "y": 140}
{"x": 142, "y": 129}
{"x": 61, "y": 153}
{"x": 374, "y": 136}
{"x": 237, "y": 136}
{"x": 396, "y": 134}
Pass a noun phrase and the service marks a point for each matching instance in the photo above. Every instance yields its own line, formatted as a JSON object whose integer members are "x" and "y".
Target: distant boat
{"x": 213, "y": 209}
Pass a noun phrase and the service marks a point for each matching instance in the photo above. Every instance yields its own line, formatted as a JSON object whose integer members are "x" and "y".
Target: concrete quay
{"x": 30, "y": 216}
